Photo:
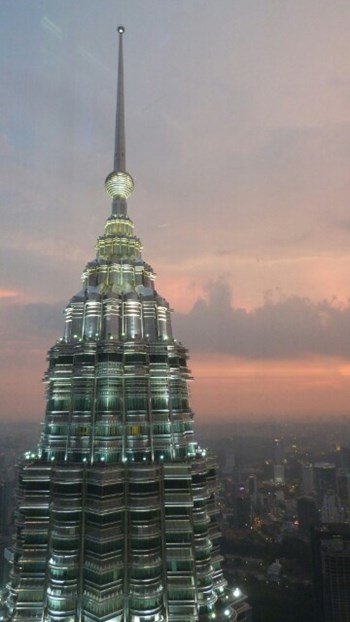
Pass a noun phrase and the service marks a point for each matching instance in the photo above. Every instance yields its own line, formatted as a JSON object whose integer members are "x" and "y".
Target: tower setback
{"x": 116, "y": 517}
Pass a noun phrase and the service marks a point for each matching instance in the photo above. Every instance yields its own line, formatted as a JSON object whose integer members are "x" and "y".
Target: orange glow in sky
{"x": 224, "y": 385}
{"x": 8, "y": 293}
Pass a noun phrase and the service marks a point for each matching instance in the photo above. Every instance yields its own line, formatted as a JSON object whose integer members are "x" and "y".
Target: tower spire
{"x": 119, "y": 143}
{"x": 119, "y": 184}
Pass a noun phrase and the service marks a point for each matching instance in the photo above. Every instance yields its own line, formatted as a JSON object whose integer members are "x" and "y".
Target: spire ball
{"x": 121, "y": 29}
{"x": 119, "y": 185}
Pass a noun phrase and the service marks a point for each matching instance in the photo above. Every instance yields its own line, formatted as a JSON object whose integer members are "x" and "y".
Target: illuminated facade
{"x": 116, "y": 517}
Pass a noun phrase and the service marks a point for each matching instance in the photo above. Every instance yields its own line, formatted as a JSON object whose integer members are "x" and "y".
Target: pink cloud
{"x": 8, "y": 293}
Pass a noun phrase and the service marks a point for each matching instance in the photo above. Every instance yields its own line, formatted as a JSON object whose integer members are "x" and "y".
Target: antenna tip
{"x": 121, "y": 29}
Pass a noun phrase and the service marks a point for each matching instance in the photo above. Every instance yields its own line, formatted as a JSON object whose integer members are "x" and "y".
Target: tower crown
{"x": 119, "y": 184}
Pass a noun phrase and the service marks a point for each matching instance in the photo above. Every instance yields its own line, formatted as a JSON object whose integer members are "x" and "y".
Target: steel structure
{"x": 116, "y": 517}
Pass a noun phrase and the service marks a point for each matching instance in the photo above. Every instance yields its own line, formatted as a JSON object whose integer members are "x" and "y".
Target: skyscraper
{"x": 116, "y": 516}
{"x": 278, "y": 451}
{"x": 308, "y": 479}
{"x": 331, "y": 562}
{"x": 308, "y": 515}
{"x": 324, "y": 480}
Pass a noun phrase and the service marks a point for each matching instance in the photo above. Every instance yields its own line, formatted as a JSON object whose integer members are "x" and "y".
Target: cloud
{"x": 283, "y": 327}
{"x": 31, "y": 318}
{"x": 28, "y": 328}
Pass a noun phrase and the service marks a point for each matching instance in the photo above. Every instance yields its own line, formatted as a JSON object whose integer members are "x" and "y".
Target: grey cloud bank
{"x": 286, "y": 327}
{"x": 290, "y": 327}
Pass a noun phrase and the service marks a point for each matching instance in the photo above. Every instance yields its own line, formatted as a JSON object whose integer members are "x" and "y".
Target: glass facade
{"x": 116, "y": 516}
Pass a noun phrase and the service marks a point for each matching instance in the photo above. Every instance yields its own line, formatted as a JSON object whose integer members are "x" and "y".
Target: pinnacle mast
{"x": 119, "y": 184}
{"x": 119, "y": 143}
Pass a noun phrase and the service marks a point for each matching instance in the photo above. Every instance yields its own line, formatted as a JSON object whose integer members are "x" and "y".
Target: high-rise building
{"x": 331, "y": 562}
{"x": 308, "y": 516}
{"x": 332, "y": 509}
{"x": 230, "y": 462}
{"x": 116, "y": 517}
{"x": 252, "y": 487}
{"x": 324, "y": 479}
{"x": 278, "y": 450}
{"x": 278, "y": 473}
{"x": 308, "y": 479}
{"x": 278, "y": 461}
{"x": 242, "y": 510}
{"x": 6, "y": 486}
{"x": 6, "y": 506}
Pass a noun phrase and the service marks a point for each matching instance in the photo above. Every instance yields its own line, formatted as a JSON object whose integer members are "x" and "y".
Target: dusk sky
{"x": 238, "y": 138}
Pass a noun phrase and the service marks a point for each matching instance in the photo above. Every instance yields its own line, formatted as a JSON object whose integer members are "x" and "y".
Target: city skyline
{"x": 247, "y": 114}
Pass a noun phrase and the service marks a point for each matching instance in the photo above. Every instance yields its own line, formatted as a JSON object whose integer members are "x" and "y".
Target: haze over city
{"x": 238, "y": 138}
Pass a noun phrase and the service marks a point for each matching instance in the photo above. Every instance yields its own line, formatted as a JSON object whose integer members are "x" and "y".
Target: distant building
{"x": 6, "y": 497}
{"x": 331, "y": 564}
{"x": 278, "y": 461}
{"x": 6, "y": 507}
{"x": 252, "y": 486}
{"x": 278, "y": 474}
{"x": 242, "y": 607}
{"x": 332, "y": 510}
{"x": 230, "y": 462}
{"x": 278, "y": 451}
{"x": 342, "y": 484}
{"x": 242, "y": 510}
{"x": 308, "y": 515}
{"x": 348, "y": 487}
{"x": 342, "y": 457}
{"x": 274, "y": 571}
{"x": 308, "y": 479}
{"x": 324, "y": 479}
